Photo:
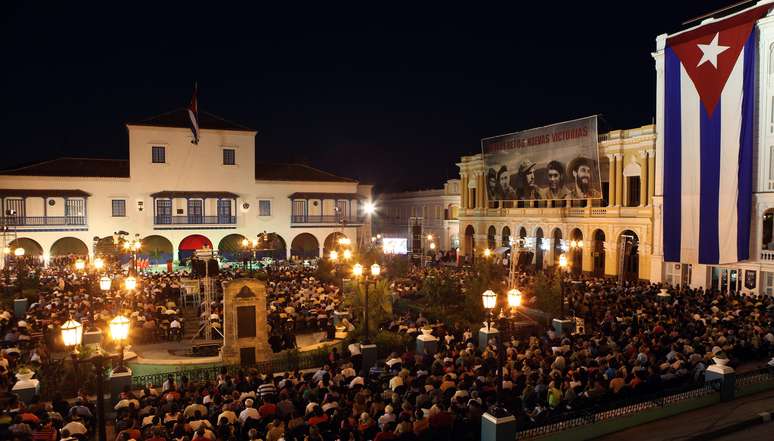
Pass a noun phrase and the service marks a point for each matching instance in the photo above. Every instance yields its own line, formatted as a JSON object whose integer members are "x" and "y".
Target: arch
{"x": 106, "y": 247}
{"x": 506, "y": 237}
{"x": 305, "y": 246}
{"x": 628, "y": 246}
{"x": 491, "y": 234}
{"x": 274, "y": 247}
{"x": 190, "y": 244}
{"x": 632, "y": 169}
{"x": 522, "y": 233}
{"x": 157, "y": 249}
{"x": 558, "y": 249}
{"x": 539, "y": 249}
{"x": 230, "y": 247}
{"x": 598, "y": 252}
{"x": 576, "y": 253}
{"x": 30, "y": 246}
{"x": 332, "y": 242}
{"x": 470, "y": 240}
{"x": 69, "y": 246}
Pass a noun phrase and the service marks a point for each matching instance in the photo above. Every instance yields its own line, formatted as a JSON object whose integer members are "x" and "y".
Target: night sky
{"x": 391, "y": 95}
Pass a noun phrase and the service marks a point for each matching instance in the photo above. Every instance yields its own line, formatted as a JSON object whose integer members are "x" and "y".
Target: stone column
{"x": 611, "y": 194}
{"x": 651, "y": 176}
{"x": 494, "y": 428}
{"x": 727, "y": 377}
{"x": 464, "y": 192}
{"x": 480, "y": 191}
{"x": 618, "y": 179}
{"x": 644, "y": 176}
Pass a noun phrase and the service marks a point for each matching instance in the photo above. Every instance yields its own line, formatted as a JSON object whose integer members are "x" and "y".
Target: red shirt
{"x": 267, "y": 409}
{"x": 382, "y": 436}
{"x": 315, "y": 420}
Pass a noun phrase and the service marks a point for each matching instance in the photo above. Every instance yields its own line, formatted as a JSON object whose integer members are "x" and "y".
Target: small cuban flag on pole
{"x": 193, "y": 113}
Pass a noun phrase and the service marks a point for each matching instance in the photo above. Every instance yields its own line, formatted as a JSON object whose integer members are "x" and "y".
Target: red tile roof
{"x": 74, "y": 167}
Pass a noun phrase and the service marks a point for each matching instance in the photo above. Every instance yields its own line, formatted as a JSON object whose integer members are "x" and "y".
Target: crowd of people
{"x": 634, "y": 343}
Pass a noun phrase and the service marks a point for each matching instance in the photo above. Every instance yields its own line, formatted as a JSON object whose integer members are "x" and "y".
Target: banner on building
{"x": 710, "y": 103}
{"x": 560, "y": 161}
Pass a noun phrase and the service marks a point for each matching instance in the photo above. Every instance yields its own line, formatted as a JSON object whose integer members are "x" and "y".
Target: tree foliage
{"x": 324, "y": 271}
{"x": 548, "y": 291}
{"x": 379, "y": 303}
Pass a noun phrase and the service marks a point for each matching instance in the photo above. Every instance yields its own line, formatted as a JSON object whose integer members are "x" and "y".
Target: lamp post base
{"x": 494, "y": 428}
{"x": 120, "y": 377}
{"x": 485, "y": 335}
{"x": 369, "y": 356}
{"x": 563, "y": 325}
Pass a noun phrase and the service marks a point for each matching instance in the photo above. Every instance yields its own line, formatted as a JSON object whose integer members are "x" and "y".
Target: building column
{"x": 618, "y": 179}
{"x": 651, "y": 176}
{"x": 611, "y": 192}
{"x": 464, "y": 191}
{"x": 480, "y": 190}
{"x": 644, "y": 173}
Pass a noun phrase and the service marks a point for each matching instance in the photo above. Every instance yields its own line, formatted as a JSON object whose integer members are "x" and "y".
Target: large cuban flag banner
{"x": 709, "y": 99}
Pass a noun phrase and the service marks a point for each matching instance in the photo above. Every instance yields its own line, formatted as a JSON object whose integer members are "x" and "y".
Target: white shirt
{"x": 249, "y": 412}
{"x": 229, "y": 415}
{"x": 75, "y": 428}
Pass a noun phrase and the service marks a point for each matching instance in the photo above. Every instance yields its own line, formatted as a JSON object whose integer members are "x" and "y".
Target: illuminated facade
{"x": 612, "y": 236}
{"x": 436, "y": 211}
{"x": 178, "y": 196}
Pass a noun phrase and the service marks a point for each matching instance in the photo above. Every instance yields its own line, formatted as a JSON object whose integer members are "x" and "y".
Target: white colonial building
{"x": 615, "y": 233}
{"x": 177, "y": 197}
{"x": 430, "y": 212}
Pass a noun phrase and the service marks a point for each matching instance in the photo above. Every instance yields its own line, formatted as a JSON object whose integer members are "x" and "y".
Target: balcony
{"x": 43, "y": 221}
{"x": 767, "y": 255}
{"x": 194, "y": 220}
{"x": 325, "y": 219}
{"x": 562, "y": 212}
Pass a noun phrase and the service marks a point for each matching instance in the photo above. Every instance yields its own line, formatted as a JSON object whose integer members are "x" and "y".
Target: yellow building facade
{"x": 612, "y": 236}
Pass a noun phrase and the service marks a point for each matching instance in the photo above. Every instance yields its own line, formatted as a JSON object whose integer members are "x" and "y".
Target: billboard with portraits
{"x": 559, "y": 161}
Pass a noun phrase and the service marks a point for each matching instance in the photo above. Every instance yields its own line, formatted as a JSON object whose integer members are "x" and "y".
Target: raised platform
{"x": 160, "y": 357}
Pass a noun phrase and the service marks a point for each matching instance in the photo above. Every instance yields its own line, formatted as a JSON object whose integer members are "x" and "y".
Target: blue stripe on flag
{"x": 672, "y": 161}
{"x": 744, "y": 201}
{"x": 709, "y": 182}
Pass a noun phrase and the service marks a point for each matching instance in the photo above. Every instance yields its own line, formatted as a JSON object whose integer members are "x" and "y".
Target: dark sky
{"x": 391, "y": 94}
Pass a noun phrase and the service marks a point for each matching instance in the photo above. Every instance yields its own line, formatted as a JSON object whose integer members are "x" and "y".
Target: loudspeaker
{"x": 201, "y": 268}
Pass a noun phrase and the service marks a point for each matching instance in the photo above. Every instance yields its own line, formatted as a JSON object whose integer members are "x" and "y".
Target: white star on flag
{"x": 711, "y": 51}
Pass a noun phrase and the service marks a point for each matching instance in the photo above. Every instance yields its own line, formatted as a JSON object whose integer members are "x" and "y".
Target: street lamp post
{"x": 497, "y": 422}
{"x": 119, "y": 331}
{"x": 72, "y": 336}
{"x": 562, "y": 270}
{"x": 357, "y": 271}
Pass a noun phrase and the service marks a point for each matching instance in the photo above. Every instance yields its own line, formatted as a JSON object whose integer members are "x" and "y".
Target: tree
{"x": 549, "y": 294}
{"x": 379, "y": 304}
{"x": 324, "y": 272}
{"x": 397, "y": 267}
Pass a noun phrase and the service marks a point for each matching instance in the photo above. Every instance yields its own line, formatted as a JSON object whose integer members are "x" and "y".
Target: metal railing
{"x": 324, "y": 219}
{"x": 35, "y": 221}
{"x": 194, "y": 220}
{"x": 757, "y": 376}
{"x": 283, "y": 363}
{"x": 605, "y": 409}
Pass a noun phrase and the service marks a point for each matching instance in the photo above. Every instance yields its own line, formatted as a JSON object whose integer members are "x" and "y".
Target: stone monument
{"x": 246, "y": 336}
